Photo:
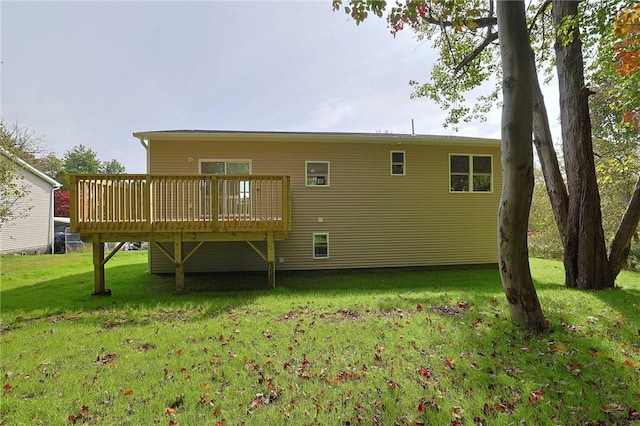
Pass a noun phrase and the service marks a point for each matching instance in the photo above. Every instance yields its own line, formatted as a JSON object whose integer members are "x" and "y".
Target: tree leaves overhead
{"x": 465, "y": 78}
{"x": 626, "y": 31}
{"x": 464, "y": 33}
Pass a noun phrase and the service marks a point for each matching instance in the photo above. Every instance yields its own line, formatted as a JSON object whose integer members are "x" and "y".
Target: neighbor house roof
{"x": 26, "y": 166}
{"x": 393, "y": 138}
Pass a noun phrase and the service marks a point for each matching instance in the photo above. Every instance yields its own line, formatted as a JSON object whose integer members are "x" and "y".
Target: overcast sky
{"x": 93, "y": 73}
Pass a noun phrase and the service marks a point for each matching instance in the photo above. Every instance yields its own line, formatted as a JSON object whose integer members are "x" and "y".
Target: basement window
{"x": 317, "y": 173}
{"x": 321, "y": 245}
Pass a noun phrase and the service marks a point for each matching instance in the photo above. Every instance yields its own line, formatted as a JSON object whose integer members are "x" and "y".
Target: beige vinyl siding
{"x": 32, "y": 232}
{"x": 374, "y": 219}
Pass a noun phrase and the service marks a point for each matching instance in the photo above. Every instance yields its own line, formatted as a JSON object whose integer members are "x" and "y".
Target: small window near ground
{"x": 397, "y": 163}
{"x": 470, "y": 173}
{"x": 320, "y": 246}
{"x": 317, "y": 173}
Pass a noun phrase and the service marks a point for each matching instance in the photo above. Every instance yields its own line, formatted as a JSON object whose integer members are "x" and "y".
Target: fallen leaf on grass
{"x": 343, "y": 376}
{"x": 615, "y": 408}
{"x": 105, "y": 358}
{"x": 479, "y": 421}
{"x": 535, "y": 396}
{"x": 611, "y": 408}
{"x": 175, "y": 405}
{"x": 261, "y": 399}
{"x": 127, "y": 392}
{"x": 392, "y": 384}
{"x": 348, "y": 313}
{"x": 77, "y": 417}
{"x": 378, "y": 355}
{"x": 450, "y": 310}
{"x": 146, "y": 346}
{"x": 425, "y": 372}
{"x": 500, "y": 407}
{"x": 457, "y": 412}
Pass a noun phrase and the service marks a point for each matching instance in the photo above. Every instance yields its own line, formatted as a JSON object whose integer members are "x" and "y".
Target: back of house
{"x": 356, "y": 200}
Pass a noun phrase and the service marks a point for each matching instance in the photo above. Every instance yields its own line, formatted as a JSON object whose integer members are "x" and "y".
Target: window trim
{"x": 306, "y": 174}
{"x": 225, "y": 161}
{"x": 313, "y": 242}
{"x": 472, "y": 174}
{"x": 204, "y": 203}
{"x": 392, "y": 163}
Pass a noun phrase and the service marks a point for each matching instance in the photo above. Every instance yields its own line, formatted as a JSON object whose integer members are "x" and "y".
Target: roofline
{"x": 29, "y": 167}
{"x": 392, "y": 138}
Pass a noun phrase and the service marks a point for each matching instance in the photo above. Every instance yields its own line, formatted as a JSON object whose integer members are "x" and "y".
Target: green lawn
{"x": 405, "y": 347}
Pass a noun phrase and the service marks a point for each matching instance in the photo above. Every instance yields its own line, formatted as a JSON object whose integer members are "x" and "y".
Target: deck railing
{"x": 194, "y": 203}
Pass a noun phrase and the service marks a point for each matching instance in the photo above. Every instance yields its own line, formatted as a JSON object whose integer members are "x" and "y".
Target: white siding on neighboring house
{"x": 31, "y": 232}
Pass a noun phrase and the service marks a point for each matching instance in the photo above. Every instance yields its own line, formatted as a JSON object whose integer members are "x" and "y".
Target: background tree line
{"x": 25, "y": 144}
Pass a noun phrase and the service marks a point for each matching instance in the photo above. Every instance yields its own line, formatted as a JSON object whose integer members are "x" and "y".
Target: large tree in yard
{"x": 585, "y": 256}
{"x": 517, "y": 122}
{"x": 466, "y": 34}
{"x": 517, "y": 165}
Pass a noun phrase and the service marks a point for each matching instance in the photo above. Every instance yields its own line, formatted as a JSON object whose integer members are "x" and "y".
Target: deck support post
{"x": 98, "y": 269}
{"x": 179, "y": 262}
{"x": 271, "y": 260}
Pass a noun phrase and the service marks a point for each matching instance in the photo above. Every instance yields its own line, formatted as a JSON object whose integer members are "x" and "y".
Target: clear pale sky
{"x": 92, "y": 73}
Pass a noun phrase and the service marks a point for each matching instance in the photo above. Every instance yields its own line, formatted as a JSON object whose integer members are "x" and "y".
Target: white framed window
{"x": 317, "y": 173}
{"x": 225, "y": 167}
{"x": 234, "y": 196}
{"x": 398, "y": 163}
{"x": 470, "y": 173}
{"x": 320, "y": 245}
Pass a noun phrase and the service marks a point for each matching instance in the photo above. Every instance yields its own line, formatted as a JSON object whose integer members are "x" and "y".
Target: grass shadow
{"x": 132, "y": 287}
{"x": 395, "y": 280}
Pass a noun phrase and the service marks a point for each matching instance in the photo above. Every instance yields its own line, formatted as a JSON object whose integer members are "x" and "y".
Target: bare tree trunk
{"x": 585, "y": 257}
{"x": 621, "y": 244}
{"x": 543, "y": 142}
{"x": 517, "y": 166}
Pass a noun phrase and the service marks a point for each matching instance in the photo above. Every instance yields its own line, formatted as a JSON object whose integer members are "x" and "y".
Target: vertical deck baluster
{"x": 90, "y": 202}
{"x": 163, "y": 196}
{"x": 99, "y": 202}
{"x": 112, "y": 189}
{"x": 148, "y": 203}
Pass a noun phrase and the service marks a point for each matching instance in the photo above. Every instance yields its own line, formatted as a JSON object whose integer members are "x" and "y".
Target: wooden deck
{"x": 163, "y": 208}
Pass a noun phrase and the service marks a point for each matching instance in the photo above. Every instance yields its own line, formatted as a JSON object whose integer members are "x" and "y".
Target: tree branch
{"x": 491, "y": 37}
{"x": 489, "y": 21}
{"x": 540, "y": 11}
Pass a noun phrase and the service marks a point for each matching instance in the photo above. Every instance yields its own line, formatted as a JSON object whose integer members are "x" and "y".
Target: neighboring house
{"x": 33, "y": 230}
{"x": 345, "y": 200}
